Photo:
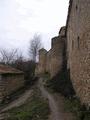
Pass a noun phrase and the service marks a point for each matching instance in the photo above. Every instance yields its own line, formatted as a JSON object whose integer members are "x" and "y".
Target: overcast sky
{"x": 21, "y": 19}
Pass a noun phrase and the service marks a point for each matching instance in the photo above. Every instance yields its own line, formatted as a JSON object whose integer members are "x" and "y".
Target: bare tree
{"x": 35, "y": 46}
{"x": 6, "y": 56}
{"x": 18, "y": 62}
{"x": 19, "y": 56}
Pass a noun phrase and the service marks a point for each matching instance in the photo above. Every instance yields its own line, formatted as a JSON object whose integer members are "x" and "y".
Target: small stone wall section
{"x": 10, "y": 83}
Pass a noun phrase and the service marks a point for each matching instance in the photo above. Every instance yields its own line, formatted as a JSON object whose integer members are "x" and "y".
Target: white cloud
{"x": 20, "y": 19}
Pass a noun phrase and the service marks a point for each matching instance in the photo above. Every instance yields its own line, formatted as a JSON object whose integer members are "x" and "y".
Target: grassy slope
{"x": 35, "y": 109}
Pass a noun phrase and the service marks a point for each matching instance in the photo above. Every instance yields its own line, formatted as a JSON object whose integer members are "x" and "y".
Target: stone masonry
{"x": 57, "y": 52}
{"x": 52, "y": 60}
{"x": 78, "y": 47}
{"x": 11, "y": 80}
{"x": 48, "y": 62}
{"x": 42, "y": 61}
{"x": 74, "y": 41}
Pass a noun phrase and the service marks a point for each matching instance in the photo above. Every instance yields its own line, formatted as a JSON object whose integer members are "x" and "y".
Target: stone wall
{"x": 13, "y": 82}
{"x": 52, "y": 60}
{"x": 76, "y": 40}
{"x": 57, "y": 53}
{"x": 42, "y": 61}
{"x": 37, "y": 69}
{"x": 78, "y": 47}
{"x": 10, "y": 83}
{"x": 48, "y": 62}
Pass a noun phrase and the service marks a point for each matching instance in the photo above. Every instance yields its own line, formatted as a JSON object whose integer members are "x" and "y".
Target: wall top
{"x": 42, "y": 50}
{"x": 62, "y": 31}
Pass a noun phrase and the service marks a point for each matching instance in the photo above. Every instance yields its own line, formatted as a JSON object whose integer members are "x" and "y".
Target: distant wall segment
{"x": 51, "y": 61}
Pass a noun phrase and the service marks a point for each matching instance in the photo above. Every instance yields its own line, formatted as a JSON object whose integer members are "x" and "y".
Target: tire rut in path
{"x": 55, "y": 113}
{"x": 18, "y": 102}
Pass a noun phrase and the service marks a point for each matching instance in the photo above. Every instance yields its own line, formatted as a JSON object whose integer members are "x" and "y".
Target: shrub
{"x": 80, "y": 111}
{"x": 61, "y": 83}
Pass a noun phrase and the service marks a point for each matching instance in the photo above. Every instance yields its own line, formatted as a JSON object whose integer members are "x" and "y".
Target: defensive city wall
{"x": 51, "y": 61}
{"x": 78, "y": 47}
{"x": 75, "y": 38}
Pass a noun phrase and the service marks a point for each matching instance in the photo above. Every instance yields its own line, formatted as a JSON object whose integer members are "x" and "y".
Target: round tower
{"x": 42, "y": 60}
{"x": 58, "y": 44}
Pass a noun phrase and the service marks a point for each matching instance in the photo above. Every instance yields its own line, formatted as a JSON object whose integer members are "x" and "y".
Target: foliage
{"x": 61, "y": 83}
{"x": 73, "y": 105}
{"x": 28, "y": 67}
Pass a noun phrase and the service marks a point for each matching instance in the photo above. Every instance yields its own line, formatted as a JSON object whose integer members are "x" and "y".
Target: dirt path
{"x": 53, "y": 106}
{"x": 56, "y": 105}
{"x": 18, "y": 102}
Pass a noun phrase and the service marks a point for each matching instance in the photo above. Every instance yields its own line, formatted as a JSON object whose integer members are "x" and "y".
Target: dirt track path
{"x": 18, "y": 102}
{"x": 55, "y": 114}
{"x": 56, "y": 105}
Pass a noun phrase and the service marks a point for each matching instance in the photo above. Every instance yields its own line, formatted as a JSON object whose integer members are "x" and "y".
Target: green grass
{"x": 61, "y": 84}
{"x": 75, "y": 107}
{"x": 35, "y": 109}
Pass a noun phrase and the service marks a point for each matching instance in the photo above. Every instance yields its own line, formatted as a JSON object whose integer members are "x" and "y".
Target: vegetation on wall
{"x": 61, "y": 83}
{"x": 73, "y": 105}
